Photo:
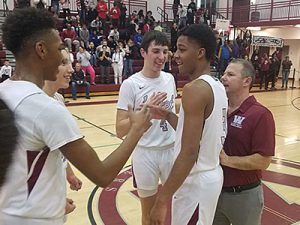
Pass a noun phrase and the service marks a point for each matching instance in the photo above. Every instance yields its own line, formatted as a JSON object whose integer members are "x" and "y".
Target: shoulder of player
{"x": 196, "y": 92}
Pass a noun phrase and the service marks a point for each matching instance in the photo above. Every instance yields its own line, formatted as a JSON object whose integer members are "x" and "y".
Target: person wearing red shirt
{"x": 69, "y": 37}
{"x": 248, "y": 149}
{"x": 115, "y": 15}
{"x": 102, "y": 10}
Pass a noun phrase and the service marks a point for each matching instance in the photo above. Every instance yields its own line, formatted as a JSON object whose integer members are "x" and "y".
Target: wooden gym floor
{"x": 119, "y": 205}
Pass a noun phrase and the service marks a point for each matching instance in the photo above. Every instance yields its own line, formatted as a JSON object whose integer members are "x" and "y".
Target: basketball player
{"x": 35, "y": 190}
{"x": 248, "y": 149}
{"x": 63, "y": 76}
{"x": 152, "y": 157}
{"x": 8, "y": 139}
{"x": 196, "y": 176}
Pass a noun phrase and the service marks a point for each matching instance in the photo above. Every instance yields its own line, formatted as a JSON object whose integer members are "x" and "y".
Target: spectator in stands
{"x": 91, "y": 14}
{"x": 96, "y": 24}
{"x": 69, "y": 37}
{"x": 117, "y": 64}
{"x": 130, "y": 50}
{"x": 55, "y": 6}
{"x": 225, "y": 54}
{"x": 83, "y": 57}
{"x": 182, "y": 13}
{"x": 81, "y": 8}
{"x": 92, "y": 50}
{"x": 96, "y": 37}
{"x": 104, "y": 62}
{"x": 138, "y": 37}
{"x": 102, "y": 11}
{"x": 206, "y": 17}
{"x": 286, "y": 68}
{"x": 92, "y": 4}
{"x": 22, "y": 3}
{"x": 174, "y": 37}
{"x": 84, "y": 36}
{"x": 150, "y": 19}
{"x": 158, "y": 26}
{"x": 78, "y": 79}
{"x": 65, "y": 4}
{"x": 133, "y": 15}
{"x": 40, "y": 4}
{"x": 264, "y": 70}
{"x": 114, "y": 33}
{"x": 99, "y": 48}
{"x": 175, "y": 6}
{"x": 111, "y": 43}
{"x": 274, "y": 67}
{"x": 191, "y": 11}
{"x": 115, "y": 14}
{"x": 6, "y": 71}
{"x": 141, "y": 18}
{"x": 123, "y": 10}
{"x": 146, "y": 27}
{"x": 255, "y": 53}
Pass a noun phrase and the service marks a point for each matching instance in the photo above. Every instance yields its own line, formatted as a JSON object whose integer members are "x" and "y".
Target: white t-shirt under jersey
{"x": 136, "y": 90}
{"x": 214, "y": 130}
{"x": 36, "y": 182}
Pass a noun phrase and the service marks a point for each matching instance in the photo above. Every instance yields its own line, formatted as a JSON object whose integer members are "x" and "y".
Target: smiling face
{"x": 53, "y": 57}
{"x": 155, "y": 57}
{"x": 65, "y": 71}
{"x": 186, "y": 55}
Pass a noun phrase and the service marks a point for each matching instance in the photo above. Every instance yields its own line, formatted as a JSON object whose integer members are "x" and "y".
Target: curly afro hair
{"x": 24, "y": 24}
{"x": 8, "y": 141}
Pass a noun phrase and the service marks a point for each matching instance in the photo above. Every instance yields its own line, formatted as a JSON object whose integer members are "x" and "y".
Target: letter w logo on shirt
{"x": 237, "y": 121}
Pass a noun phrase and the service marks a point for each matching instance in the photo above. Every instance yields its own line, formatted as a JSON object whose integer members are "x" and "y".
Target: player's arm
{"x": 194, "y": 106}
{"x": 122, "y": 123}
{"x": 251, "y": 162}
{"x": 102, "y": 173}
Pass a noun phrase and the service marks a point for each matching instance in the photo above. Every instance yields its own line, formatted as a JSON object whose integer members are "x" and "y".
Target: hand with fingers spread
{"x": 139, "y": 119}
{"x": 156, "y": 105}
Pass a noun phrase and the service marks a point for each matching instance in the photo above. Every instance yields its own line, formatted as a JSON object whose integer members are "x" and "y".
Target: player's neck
{"x": 49, "y": 88}
{"x": 25, "y": 72}
{"x": 202, "y": 68}
{"x": 150, "y": 73}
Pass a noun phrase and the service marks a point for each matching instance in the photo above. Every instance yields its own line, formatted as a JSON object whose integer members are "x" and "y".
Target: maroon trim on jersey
{"x": 195, "y": 217}
{"x": 31, "y": 156}
{"x": 133, "y": 177}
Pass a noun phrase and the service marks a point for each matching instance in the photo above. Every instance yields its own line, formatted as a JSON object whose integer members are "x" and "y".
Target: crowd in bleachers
{"x": 106, "y": 42}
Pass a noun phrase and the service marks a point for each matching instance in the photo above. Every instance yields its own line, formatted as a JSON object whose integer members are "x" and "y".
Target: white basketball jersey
{"x": 36, "y": 181}
{"x": 214, "y": 130}
{"x": 136, "y": 90}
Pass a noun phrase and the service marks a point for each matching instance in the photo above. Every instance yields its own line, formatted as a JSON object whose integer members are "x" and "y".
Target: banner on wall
{"x": 267, "y": 41}
{"x": 222, "y": 24}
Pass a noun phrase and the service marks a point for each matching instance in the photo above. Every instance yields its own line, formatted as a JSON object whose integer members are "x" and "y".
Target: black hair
{"x": 8, "y": 140}
{"x": 158, "y": 37}
{"x": 203, "y": 35}
{"x": 23, "y": 26}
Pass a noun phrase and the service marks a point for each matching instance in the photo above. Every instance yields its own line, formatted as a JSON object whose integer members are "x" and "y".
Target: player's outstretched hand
{"x": 139, "y": 119}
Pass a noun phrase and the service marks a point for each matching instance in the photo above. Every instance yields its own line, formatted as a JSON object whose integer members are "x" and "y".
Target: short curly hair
{"x": 8, "y": 141}
{"x": 204, "y": 37}
{"x": 23, "y": 26}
